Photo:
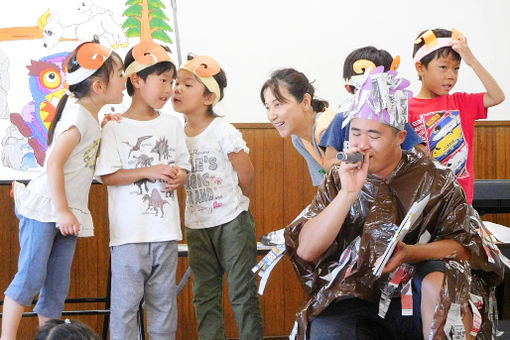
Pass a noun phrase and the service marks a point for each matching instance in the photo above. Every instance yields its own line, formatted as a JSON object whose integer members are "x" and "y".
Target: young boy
{"x": 446, "y": 122}
{"x": 143, "y": 159}
{"x": 336, "y": 137}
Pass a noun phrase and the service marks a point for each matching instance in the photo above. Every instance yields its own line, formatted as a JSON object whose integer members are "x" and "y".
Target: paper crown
{"x": 204, "y": 68}
{"x": 359, "y": 67}
{"x": 90, "y": 57}
{"x": 382, "y": 97}
{"x": 147, "y": 54}
{"x": 433, "y": 43}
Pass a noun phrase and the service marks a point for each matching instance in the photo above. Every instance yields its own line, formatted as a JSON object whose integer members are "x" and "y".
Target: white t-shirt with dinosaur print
{"x": 142, "y": 211}
{"x": 34, "y": 200}
{"x": 213, "y": 195}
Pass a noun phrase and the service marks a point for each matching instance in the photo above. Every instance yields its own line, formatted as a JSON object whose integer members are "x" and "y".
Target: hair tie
{"x": 67, "y": 321}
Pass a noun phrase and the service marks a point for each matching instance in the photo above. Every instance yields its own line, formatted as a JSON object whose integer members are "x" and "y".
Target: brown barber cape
{"x": 374, "y": 217}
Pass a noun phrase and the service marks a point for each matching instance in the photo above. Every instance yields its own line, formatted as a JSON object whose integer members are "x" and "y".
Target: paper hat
{"x": 361, "y": 65}
{"x": 147, "y": 54}
{"x": 433, "y": 43}
{"x": 90, "y": 57}
{"x": 383, "y": 97}
{"x": 204, "y": 68}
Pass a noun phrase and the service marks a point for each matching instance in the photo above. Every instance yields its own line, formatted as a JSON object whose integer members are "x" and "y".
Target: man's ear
{"x": 401, "y": 136}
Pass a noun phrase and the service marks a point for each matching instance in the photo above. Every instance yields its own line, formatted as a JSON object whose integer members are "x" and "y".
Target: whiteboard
{"x": 250, "y": 39}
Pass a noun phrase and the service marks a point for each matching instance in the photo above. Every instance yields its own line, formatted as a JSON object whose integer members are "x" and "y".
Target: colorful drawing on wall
{"x": 145, "y": 19}
{"x": 47, "y": 86}
{"x": 40, "y": 41}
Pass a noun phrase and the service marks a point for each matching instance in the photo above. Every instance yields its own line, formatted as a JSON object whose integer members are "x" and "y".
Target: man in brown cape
{"x": 337, "y": 243}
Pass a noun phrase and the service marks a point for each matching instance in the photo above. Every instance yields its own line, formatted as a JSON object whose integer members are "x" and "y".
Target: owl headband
{"x": 433, "y": 43}
{"x": 204, "y": 68}
{"x": 147, "y": 54}
{"x": 382, "y": 97}
{"x": 90, "y": 57}
{"x": 361, "y": 65}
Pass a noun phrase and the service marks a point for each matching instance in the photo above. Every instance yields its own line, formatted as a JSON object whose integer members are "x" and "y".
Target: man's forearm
{"x": 319, "y": 233}
{"x": 437, "y": 250}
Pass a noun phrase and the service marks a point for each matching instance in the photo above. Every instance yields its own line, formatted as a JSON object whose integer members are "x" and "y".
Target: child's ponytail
{"x": 58, "y": 114}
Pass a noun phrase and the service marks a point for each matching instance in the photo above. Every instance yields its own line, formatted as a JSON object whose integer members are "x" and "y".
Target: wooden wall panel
{"x": 282, "y": 189}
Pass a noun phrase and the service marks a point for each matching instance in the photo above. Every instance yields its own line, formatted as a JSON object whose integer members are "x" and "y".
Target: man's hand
{"x": 400, "y": 256}
{"x": 353, "y": 175}
{"x": 68, "y": 223}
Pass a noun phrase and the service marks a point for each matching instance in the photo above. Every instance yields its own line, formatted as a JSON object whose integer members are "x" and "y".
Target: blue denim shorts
{"x": 44, "y": 267}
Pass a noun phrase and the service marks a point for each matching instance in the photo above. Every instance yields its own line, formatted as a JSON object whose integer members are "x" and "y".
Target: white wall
{"x": 252, "y": 38}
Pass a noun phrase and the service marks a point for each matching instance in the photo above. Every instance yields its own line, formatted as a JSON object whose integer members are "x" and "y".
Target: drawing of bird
{"x": 47, "y": 86}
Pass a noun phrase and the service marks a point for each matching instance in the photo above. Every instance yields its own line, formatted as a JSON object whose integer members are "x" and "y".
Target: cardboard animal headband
{"x": 204, "y": 68}
{"x": 147, "y": 54}
{"x": 90, "y": 57}
{"x": 382, "y": 97}
{"x": 433, "y": 43}
{"x": 361, "y": 65}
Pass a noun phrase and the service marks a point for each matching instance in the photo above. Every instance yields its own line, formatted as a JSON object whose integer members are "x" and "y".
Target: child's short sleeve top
{"x": 447, "y": 125}
{"x": 213, "y": 195}
{"x": 142, "y": 211}
{"x": 34, "y": 200}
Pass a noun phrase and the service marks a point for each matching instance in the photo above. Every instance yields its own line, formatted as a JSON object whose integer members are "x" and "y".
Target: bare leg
{"x": 430, "y": 294}
{"x": 42, "y": 319}
{"x": 12, "y": 314}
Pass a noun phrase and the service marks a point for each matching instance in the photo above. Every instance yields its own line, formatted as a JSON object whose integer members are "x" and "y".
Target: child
{"x": 53, "y": 207}
{"x": 336, "y": 137}
{"x": 220, "y": 229}
{"x": 143, "y": 159}
{"x": 66, "y": 330}
{"x": 444, "y": 121}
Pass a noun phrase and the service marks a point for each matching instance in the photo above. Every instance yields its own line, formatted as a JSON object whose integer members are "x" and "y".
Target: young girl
{"x": 220, "y": 229}
{"x": 53, "y": 208}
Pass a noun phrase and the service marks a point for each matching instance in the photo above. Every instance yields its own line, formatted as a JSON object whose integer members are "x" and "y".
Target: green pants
{"x": 228, "y": 248}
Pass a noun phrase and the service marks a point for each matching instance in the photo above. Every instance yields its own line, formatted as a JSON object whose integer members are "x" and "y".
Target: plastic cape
{"x": 374, "y": 217}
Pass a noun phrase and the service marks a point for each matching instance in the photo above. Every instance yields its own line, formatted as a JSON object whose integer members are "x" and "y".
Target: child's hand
{"x": 461, "y": 47}
{"x": 111, "y": 116}
{"x": 161, "y": 172}
{"x": 68, "y": 223}
{"x": 178, "y": 177}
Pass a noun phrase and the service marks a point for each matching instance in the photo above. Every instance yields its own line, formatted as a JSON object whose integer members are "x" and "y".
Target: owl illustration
{"x": 47, "y": 85}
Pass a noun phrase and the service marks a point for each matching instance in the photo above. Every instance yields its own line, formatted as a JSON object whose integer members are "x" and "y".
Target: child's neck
{"x": 197, "y": 122}
{"x": 425, "y": 93}
{"x": 92, "y": 106}
{"x": 140, "y": 110}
